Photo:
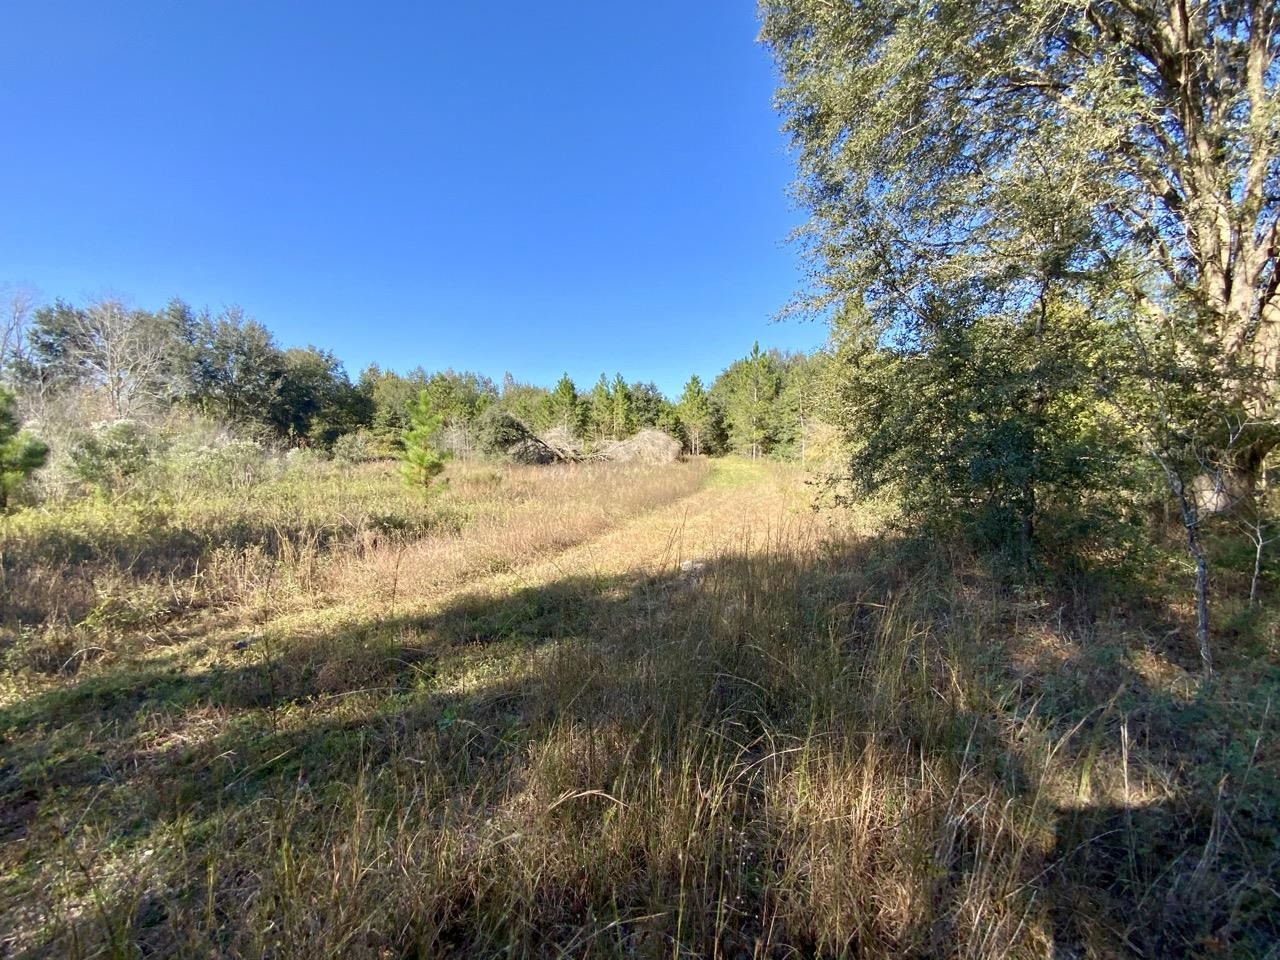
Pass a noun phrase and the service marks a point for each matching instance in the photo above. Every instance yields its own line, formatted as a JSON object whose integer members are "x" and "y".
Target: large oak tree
{"x": 1021, "y": 149}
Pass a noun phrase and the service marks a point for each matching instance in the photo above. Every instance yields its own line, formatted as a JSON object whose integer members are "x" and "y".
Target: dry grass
{"x": 81, "y": 580}
{"x": 560, "y": 739}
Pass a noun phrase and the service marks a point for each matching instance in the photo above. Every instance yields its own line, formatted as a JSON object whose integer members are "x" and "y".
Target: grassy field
{"x": 608, "y": 712}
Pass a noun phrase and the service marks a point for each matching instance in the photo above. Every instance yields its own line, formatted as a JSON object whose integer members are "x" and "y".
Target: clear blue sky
{"x": 531, "y": 187}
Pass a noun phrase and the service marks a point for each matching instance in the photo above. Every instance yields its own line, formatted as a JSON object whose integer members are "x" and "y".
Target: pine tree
{"x": 420, "y": 461}
{"x": 621, "y": 417}
{"x": 563, "y": 408}
{"x": 601, "y": 410}
{"x": 799, "y": 402}
{"x": 20, "y": 453}
{"x": 747, "y": 394}
{"x": 694, "y": 413}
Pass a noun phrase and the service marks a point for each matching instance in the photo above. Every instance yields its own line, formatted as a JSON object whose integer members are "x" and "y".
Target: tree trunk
{"x": 1258, "y": 544}
{"x": 1202, "y": 603}
{"x": 1191, "y": 523}
{"x": 1028, "y": 525}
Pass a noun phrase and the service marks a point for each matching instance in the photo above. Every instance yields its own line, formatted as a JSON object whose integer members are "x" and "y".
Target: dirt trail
{"x": 739, "y": 506}
{"x": 718, "y": 518}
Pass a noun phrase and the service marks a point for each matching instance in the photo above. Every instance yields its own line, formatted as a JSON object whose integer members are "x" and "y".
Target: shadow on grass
{"x": 746, "y": 651}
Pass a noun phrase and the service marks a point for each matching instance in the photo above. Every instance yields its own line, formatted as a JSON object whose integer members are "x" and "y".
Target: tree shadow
{"x": 481, "y": 685}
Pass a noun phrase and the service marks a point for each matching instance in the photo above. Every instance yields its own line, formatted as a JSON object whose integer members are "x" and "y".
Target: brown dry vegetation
{"x": 535, "y": 730}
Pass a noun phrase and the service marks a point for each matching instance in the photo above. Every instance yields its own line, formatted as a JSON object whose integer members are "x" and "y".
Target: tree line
{"x": 107, "y": 361}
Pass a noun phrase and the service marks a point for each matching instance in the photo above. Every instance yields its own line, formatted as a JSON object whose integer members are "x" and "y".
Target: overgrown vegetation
{"x": 20, "y": 454}
{"x": 552, "y": 734}
{"x": 106, "y": 363}
{"x": 1047, "y": 238}
{"x": 258, "y": 699}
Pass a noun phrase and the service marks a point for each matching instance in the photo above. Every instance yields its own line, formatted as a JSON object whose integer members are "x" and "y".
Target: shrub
{"x": 498, "y": 431}
{"x": 111, "y": 455}
{"x": 20, "y": 453}
{"x": 361, "y": 446}
{"x": 305, "y": 458}
{"x": 228, "y": 466}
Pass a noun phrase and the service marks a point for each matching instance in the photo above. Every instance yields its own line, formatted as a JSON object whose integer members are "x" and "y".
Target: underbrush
{"x": 805, "y": 744}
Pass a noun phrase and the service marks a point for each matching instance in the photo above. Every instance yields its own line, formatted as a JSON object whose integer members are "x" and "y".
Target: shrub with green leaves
{"x": 360, "y": 446}
{"x": 110, "y": 456}
{"x": 20, "y": 453}
{"x": 990, "y": 428}
{"x": 499, "y": 431}
{"x": 228, "y": 466}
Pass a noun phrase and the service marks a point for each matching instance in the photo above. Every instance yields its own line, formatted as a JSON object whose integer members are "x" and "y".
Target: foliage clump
{"x": 109, "y": 457}
{"x": 20, "y": 453}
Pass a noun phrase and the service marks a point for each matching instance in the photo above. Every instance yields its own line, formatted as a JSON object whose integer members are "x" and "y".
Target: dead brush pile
{"x": 647, "y": 446}
{"x": 564, "y": 444}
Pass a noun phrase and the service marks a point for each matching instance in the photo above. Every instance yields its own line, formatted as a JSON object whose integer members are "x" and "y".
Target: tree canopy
{"x": 1010, "y": 147}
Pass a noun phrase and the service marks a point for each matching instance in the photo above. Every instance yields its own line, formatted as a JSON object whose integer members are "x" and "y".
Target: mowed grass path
{"x": 735, "y": 503}
{"x": 667, "y": 713}
{"x": 100, "y": 767}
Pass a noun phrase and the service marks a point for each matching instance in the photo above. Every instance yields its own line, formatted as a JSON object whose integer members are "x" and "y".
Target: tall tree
{"x": 522, "y": 400}
{"x": 16, "y": 306}
{"x": 799, "y": 403}
{"x": 622, "y": 417}
{"x": 125, "y": 355}
{"x": 972, "y": 167}
{"x": 694, "y": 412}
{"x": 236, "y": 367}
{"x": 746, "y": 394}
{"x": 458, "y": 400}
{"x": 600, "y": 410}
{"x": 316, "y": 402}
{"x": 649, "y": 408}
{"x": 391, "y": 393}
{"x": 1124, "y": 148}
{"x": 562, "y": 407}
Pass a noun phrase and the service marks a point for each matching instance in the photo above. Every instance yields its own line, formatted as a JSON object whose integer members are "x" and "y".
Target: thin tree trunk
{"x": 1258, "y": 544}
{"x": 1191, "y": 522}
{"x": 1202, "y": 606}
{"x": 1028, "y": 525}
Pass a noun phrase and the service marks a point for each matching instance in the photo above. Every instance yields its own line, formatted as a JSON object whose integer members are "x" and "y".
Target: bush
{"x": 20, "y": 454}
{"x": 360, "y": 446}
{"x": 112, "y": 455}
{"x": 305, "y": 458}
{"x": 498, "y": 431}
{"x": 228, "y": 466}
